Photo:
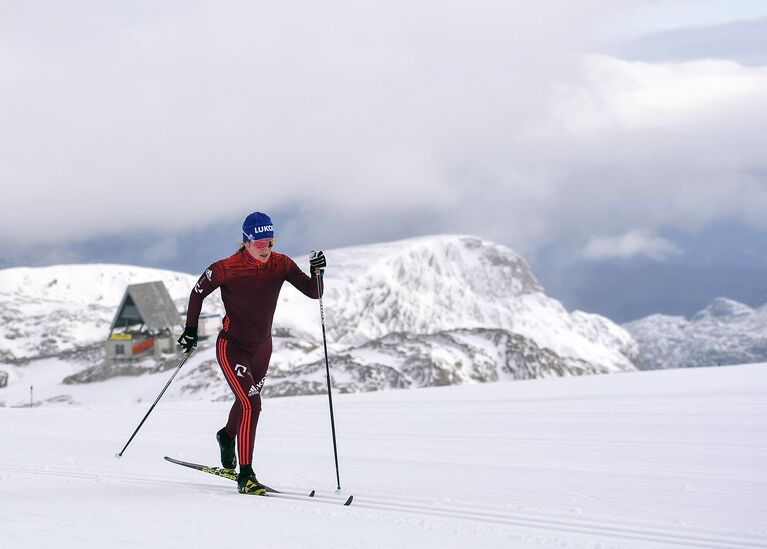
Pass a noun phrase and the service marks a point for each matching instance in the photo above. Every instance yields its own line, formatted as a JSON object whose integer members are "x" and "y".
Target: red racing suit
{"x": 249, "y": 290}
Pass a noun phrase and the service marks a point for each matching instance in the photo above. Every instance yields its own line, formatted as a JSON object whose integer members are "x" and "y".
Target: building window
{"x": 119, "y": 349}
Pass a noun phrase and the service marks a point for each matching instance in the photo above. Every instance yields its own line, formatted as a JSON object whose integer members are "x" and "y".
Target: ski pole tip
{"x": 118, "y": 455}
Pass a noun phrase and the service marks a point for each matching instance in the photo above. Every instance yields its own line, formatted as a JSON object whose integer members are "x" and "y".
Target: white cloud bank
{"x": 650, "y": 145}
{"x": 489, "y": 118}
{"x": 632, "y": 244}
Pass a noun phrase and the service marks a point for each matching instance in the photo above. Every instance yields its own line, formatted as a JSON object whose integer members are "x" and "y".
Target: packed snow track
{"x": 651, "y": 459}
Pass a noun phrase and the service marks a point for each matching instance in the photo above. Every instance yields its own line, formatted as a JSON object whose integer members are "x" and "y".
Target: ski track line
{"x": 558, "y": 524}
{"x": 606, "y": 466}
{"x": 554, "y": 440}
{"x": 103, "y": 477}
{"x": 576, "y": 525}
{"x": 644, "y": 508}
{"x": 570, "y": 526}
{"x": 732, "y": 448}
{"x": 122, "y": 478}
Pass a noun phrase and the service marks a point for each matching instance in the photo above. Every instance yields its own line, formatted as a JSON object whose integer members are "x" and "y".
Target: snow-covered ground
{"x": 671, "y": 458}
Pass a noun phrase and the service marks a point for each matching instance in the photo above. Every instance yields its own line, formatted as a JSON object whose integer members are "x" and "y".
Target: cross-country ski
{"x": 230, "y": 474}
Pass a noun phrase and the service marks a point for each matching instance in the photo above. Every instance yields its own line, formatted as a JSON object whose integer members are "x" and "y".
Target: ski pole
{"x": 119, "y": 455}
{"x": 327, "y": 370}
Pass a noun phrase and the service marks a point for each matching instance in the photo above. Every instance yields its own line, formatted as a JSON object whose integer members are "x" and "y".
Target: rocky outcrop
{"x": 402, "y": 360}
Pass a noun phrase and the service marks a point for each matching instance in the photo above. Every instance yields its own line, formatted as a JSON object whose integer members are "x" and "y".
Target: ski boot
{"x": 247, "y": 482}
{"x": 226, "y": 444}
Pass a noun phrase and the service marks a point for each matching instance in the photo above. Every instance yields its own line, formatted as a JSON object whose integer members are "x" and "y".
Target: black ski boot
{"x": 247, "y": 483}
{"x": 226, "y": 443}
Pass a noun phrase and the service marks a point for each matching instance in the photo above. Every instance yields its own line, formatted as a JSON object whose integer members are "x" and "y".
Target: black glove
{"x": 317, "y": 261}
{"x": 188, "y": 339}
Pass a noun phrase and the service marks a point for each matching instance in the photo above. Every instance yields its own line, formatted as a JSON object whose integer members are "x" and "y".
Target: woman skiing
{"x": 250, "y": 282}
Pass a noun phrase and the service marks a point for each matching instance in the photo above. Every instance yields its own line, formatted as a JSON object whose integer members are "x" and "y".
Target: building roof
{"x": 148, "y": 303}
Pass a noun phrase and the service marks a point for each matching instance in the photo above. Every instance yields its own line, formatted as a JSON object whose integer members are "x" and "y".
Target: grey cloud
{"x": 741, "y": 41}
{"x": 366, "y": 121}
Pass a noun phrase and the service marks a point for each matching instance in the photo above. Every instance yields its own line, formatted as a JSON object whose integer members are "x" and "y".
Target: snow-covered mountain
{"x": 425, "y": 311}
{"x": 433, "y": 284}
{"x": 725, "y": 332}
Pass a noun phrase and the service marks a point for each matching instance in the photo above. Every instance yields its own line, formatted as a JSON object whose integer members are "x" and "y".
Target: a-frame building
{"x": 145, "y": 321}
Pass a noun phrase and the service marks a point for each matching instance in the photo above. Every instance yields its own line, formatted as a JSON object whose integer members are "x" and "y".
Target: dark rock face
{"x": 400, "y": 360}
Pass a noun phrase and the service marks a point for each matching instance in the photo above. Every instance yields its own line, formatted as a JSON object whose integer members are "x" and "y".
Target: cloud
{"x": 163, "y": 250}
{"x": 632, "y": 244}
{"x": 658, "y": 145}
{"x": 629, "y": 96}
{"x": 626, "y": 145}
{"x": 741, "y": 41}
{"x": 365, "y": 121}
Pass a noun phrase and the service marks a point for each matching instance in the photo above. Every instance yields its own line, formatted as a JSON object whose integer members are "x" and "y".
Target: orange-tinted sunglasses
{"x": 263, "y": 243}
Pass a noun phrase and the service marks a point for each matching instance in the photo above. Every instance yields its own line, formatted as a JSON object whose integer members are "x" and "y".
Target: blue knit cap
{"x": 257, "y": 226}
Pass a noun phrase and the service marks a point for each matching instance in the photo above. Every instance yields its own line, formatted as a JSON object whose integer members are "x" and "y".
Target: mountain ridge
{"x": 724, "y": 332}
{"x": 452, "y": 301}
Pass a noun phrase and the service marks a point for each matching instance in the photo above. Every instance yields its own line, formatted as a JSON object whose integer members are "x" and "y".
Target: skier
{"x": 250, "y": 282}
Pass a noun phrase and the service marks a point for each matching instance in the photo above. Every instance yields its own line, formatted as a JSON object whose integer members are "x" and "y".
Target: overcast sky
{"x": 600, "y": 126}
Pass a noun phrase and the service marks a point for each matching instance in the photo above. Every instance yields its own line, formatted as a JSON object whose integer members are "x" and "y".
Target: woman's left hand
{"x": 317, "y": 261}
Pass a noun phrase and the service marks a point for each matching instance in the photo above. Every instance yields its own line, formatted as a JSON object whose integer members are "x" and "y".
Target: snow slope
{"x": 45, "y": 311}
{"x": 725, "y": 332}
{"x": 672, "y": 458}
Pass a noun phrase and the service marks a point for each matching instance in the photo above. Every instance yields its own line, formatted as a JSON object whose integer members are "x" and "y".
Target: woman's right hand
{"x": 188, "y": 339}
